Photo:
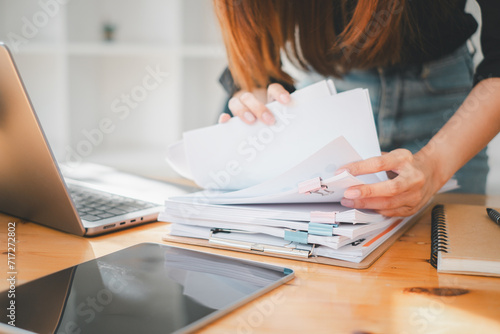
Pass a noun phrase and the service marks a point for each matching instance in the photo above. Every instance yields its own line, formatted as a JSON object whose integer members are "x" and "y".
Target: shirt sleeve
{"x": 490, "y": 40}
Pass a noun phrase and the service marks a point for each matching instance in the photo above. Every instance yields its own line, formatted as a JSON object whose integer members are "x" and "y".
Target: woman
{"x": 434, "y": 115}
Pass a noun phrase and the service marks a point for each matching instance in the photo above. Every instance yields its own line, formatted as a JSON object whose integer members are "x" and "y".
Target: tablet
{"x": 147, "y": 288}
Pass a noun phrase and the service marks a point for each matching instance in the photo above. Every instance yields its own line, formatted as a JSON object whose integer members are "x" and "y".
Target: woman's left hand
{"x": 416, "y": 181}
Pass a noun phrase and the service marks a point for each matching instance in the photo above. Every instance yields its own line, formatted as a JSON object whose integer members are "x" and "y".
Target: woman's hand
{"x": 251, "y": 106}
{"x": 421, "y": 175}
{"x": 416, "y": 181}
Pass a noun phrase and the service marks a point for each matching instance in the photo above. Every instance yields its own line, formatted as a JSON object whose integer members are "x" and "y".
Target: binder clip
{"x": 314, "y": 186}
{"x": 296, "y": 236}
{"x": 320, "y": 229}
{"x": 322, "y": 223}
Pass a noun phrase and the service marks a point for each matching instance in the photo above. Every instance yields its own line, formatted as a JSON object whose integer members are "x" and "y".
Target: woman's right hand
{"x": 251, "y": 106}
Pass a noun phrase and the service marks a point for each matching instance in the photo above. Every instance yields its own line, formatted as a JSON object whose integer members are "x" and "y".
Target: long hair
{"x": 370, "y": 33}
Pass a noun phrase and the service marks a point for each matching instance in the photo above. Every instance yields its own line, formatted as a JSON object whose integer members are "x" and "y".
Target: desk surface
{"x": 400, "y": 293}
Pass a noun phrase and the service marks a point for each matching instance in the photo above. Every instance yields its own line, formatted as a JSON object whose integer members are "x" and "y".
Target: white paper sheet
{"x": 253, "y": 224}
{"x": 176, "y": 157}
{"x": 301, "y": 212}
{"x": 284, "y": 188}
{"x": 349, "y": 252}
{"x": 235, "y": 155}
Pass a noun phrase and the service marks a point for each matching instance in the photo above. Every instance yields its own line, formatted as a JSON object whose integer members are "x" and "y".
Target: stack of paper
{"x": 349, "y": 224}
{"x": 234, "y": 155}
{"x": 274, "y": 189}
{"x": 344, "y": 249}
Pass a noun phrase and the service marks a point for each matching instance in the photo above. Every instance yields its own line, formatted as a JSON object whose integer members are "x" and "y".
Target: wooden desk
{"x": 398, "y": 294}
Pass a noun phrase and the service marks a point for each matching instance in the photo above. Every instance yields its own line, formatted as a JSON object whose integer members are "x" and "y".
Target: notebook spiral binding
{"x": 439, "y": 237}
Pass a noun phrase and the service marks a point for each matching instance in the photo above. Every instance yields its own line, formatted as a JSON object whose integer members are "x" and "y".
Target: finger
{"x": 403, "y": 211}
{"x": 409, "y": 199}
{"x": 257, "y": 108}
{"x": 393, "y": 187}
{"x": 390, "y": 161}
{"x": 383, "y": 207}
{"x": 277, "y": 92}
{"x": 240, "y": 110}
{"x": 223, "y": 118}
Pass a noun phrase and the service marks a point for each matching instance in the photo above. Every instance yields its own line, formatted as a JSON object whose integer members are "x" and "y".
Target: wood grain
{"x": 400, "y": 293}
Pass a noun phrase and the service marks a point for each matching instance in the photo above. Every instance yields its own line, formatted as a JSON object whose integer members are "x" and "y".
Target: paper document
{"x": 274, "y": 189}
{"x": 190, "y": 207}
{"x": 235, "y": 155}
{"x": 285, "y": 187}
{"x": 348, "y": 230}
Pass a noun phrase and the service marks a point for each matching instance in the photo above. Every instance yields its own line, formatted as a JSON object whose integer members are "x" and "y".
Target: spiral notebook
{"x": 465, "y": 240}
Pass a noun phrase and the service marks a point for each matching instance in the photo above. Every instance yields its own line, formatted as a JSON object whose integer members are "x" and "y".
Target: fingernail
{"x": 268, "y": 118}
{"x": 223, "y": 118}
{"x": 347, "y": 202}
{"x": 285, "y": 98}
{"x": 352, "y": 193}
{"x": 249, "y": 117}
{"x": 340, "y": 171}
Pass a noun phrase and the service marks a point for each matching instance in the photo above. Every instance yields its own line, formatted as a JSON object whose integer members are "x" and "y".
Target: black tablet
{"x": 147, "y": 288}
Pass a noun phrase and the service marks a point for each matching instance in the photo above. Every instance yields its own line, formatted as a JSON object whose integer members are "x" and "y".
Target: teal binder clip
{"x": 296, "y": 236}
{"x": 320, "y": 229}
{"x": 302, "y": 247}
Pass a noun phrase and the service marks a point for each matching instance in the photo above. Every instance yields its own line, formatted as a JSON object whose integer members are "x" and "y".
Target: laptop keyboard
{"x": 93, "y": 205}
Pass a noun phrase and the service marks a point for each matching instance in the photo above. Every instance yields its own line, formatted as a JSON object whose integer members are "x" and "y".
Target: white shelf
{"x": 146, "y": 50}
{"x": 39, "y": 48}
{"x": 208, "y": 51}
{"x": 77, "y": 80}
{"x": 120, "y": 49}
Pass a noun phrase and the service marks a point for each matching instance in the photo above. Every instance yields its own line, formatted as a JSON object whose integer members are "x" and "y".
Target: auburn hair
{"x": 256, "y": 32}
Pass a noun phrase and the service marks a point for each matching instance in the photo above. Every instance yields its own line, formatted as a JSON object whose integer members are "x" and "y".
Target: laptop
{"x": 31, "y": 183}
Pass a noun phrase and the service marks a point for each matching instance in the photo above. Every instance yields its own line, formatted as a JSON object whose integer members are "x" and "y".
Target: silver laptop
{"x": 31, "y": 183}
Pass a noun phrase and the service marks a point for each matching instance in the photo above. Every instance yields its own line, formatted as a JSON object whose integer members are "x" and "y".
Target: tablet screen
{"x": 147, "y": 288}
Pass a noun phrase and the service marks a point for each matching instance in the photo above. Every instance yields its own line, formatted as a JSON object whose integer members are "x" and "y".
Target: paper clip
{"x": 314, "y": 186}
